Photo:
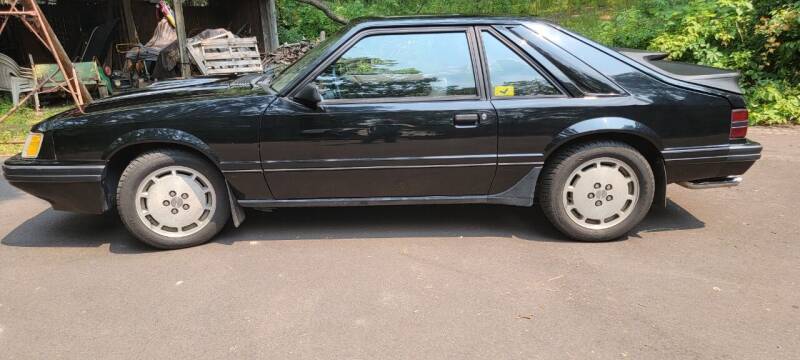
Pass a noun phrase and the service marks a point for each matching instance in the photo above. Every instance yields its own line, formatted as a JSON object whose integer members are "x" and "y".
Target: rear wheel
{"x": 597, "y": 191}
{"x": 172, "y": 199}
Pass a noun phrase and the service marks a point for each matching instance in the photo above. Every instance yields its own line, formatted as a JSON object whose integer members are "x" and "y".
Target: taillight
{"x": 739, "y": 121}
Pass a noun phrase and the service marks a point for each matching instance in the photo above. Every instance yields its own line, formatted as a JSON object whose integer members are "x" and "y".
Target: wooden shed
{"x": 133, "y": 21}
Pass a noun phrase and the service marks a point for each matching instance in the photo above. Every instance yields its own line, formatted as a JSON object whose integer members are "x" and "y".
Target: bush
{"x": 636, "y": 27}
{"x": 774, "y": 102}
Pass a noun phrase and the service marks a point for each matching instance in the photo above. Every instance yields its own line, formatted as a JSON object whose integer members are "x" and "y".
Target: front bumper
{"x": 76, "y": 187}
{"x": 697, "y": 164}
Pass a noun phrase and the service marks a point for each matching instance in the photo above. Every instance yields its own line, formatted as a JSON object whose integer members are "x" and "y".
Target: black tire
{"x": 556, "y": 174}
{"x": 138, "y": 170}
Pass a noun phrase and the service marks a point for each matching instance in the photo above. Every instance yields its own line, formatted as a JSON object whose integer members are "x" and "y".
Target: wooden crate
{"x": 226, "y": 55}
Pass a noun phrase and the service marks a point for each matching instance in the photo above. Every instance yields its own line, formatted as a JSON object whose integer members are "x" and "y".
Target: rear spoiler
{"x": 721, "y": 79}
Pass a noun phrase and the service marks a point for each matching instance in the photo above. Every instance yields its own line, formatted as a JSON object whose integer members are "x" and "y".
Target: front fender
{"x": 159, "y": 135}
{"x": 604, "y": 125}
{"x": 175, "y": 137}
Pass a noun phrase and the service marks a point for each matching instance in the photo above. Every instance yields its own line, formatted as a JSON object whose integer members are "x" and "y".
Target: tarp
{"x": 163, "y": 36}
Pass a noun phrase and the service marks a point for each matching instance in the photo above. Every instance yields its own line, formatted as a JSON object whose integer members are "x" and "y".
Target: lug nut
{"x": 184, "y": 196}
{"x": 166, "y": 203}
{"x": 597, "y": 185}
{"x": 174, "y": 211}
{"x": 608, "y": 187}
{"x": 591, "y": 195}
{"x": 185, "y": 206}
{"x": 609, "y": 198}
{"x": 172, "y": 193}
{"x": 598, "y": 203}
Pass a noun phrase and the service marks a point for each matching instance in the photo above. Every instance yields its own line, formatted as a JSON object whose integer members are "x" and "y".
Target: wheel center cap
{"x": 600, "y": 193}
{"x": 176, "y": 202}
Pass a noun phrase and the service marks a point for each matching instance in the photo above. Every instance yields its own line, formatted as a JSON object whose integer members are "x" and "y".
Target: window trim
{"x": 336, "y": 55}
{"x": 524, "y": 56}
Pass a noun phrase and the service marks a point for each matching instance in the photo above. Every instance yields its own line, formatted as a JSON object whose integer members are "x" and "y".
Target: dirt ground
{"x": 714, "y": 276}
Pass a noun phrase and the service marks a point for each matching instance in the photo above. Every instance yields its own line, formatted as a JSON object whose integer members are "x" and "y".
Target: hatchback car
{"x": 425, "y": 110}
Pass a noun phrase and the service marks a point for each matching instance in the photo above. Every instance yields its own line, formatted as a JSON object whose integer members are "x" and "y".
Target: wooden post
{"x": 128, "y": 22}
{"x": 269, "y": 24}
{"x": 180, "y": 26}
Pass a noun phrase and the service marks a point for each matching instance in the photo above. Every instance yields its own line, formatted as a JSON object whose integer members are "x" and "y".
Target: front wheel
{"x": 172, "y": 199}
{"x": 597, "y": 191}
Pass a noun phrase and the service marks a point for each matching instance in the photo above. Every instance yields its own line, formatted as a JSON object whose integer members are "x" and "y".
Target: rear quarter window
{"x": 552, "y": 44}
{"x": 510, "y": 74}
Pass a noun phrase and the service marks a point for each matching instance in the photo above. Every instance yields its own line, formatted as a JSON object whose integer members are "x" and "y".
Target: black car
{"x": 427, "y": 110}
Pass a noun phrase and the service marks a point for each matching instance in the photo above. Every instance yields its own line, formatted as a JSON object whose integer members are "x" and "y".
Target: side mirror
{"x": 309, "y": 96}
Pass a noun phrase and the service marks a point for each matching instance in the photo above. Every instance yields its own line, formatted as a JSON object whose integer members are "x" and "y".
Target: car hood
{"x": 163, "y": 93}
{"x": 170, "y": 91}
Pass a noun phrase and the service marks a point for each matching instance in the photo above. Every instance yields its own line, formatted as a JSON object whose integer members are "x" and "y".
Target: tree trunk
{"x": 320, "y": 4}
{"x": 269, "y": 25}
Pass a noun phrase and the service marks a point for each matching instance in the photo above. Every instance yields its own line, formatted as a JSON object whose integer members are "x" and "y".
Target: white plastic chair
{"x": 16, "y": 79}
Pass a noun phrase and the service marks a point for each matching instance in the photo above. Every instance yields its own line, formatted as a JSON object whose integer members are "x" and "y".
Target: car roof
{"x": 438, "y": 20}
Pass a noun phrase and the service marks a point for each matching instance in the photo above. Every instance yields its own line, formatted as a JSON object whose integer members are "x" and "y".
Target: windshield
{"x": 288, "y": 75}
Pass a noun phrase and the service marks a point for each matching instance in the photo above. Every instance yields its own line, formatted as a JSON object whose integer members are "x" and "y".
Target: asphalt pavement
{"x": 714, "y": 276}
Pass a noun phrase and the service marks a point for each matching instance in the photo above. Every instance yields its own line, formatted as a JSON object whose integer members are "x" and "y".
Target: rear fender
{"x": 604, "y": 125}
{"x": 619, "y": 126}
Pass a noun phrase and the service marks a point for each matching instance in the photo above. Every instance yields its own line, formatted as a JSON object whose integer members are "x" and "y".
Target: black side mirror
{"x": 309, "y": 96}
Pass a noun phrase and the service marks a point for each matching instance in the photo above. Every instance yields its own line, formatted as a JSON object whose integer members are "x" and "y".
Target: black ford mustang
{"x": 402, "y": 111}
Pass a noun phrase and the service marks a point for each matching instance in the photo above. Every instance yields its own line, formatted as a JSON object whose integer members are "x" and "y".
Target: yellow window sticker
{"x": 503, "y": 91}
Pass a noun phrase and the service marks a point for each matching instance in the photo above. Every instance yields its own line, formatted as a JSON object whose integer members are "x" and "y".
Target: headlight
{"x": 32, "y": 145}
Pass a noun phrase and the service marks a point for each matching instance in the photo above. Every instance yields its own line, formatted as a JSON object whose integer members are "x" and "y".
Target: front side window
{"x": 401, "y": 65}
{"x": 293, "y": 71}
{"x": 511, "y": 75}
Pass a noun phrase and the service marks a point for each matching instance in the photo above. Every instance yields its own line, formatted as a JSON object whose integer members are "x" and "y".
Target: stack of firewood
{"x": 285, "y": 55}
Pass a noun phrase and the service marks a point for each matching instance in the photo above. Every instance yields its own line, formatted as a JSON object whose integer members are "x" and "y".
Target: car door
{"x": 527, "y": 100}
{"x": 404, "y": 114}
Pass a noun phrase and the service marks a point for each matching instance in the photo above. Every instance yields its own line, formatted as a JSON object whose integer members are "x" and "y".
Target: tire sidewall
{"x": 139, "y": 169}
{"x": 630, "y": 157}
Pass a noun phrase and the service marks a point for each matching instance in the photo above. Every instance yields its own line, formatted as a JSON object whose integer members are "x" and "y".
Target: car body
{"x": 342, "y": 127}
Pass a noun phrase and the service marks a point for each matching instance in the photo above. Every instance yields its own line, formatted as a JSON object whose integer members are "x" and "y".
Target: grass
{"x": 14, "y": 129}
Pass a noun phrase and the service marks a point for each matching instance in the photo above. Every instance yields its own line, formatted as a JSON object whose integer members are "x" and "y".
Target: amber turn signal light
{"x": 32, "y": 145}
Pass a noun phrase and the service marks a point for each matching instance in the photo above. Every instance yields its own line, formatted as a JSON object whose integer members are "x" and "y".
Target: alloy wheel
{"x": 601, "y": 193}
{"x": 175, "y": 201}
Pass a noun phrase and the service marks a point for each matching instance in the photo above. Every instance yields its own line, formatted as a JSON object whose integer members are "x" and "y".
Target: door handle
{"x": 466, "y": 121}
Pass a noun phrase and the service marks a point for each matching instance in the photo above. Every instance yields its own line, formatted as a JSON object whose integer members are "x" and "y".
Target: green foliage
{"x": 637, "y": 26}
{"x": 774, "y": 102}
{"x": 778, "y": 29}
{"x": 709, "y": 32}
{"x": 300, "y": 21}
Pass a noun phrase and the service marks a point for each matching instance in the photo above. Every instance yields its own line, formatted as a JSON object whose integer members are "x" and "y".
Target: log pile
{"x": 285, "y": 55}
